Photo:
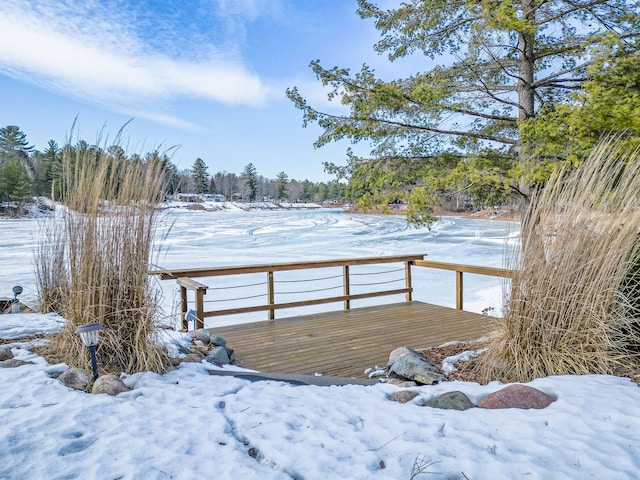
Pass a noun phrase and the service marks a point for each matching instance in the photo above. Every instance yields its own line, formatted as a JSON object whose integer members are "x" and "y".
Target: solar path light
{"x": 89, "y": 334}
{"x": 15, "y": 306}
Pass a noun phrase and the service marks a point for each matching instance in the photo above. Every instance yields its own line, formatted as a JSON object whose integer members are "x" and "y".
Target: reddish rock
{"x": 516, "y": 396}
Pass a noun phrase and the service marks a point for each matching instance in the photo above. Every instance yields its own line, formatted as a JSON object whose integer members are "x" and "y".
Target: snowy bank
{"x": 189, "y": 424}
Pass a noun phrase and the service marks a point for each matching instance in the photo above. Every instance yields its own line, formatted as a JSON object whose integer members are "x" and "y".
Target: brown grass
{"x": 572, "y": 308}
{"x": 92, "y": 264}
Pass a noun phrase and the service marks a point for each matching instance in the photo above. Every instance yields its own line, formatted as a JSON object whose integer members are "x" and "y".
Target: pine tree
{"x": 496, "y": 65}
{"x": 282, "y": 180}
{"x": 15, "y": 185}
{"x": 250, "y": 177}
{"x": 200, "y": 176}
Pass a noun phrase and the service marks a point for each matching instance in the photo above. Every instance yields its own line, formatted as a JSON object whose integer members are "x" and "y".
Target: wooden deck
{"x": 346, "y": 343}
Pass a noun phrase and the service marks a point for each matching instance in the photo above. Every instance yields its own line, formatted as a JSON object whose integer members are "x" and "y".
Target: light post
{"x": 15, "y": 306}
{"x": 89, "y": 334}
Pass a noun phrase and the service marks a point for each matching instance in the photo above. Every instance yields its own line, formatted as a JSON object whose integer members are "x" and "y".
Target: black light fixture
{"x": 15, "y": 306}
{"x": 89, "y": 334}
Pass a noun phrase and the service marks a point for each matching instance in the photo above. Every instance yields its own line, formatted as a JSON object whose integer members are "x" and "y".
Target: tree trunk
{"x": 526, "y": 102}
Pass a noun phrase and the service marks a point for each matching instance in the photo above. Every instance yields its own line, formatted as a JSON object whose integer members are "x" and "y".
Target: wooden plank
{"x": 279, "y": 267}
{"x": 346, "y": 343}
{"x": 191, "y": 284}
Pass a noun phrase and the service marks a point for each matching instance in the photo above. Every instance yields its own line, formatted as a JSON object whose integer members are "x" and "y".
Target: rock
{"x": 403, "y": 396}
{"x": 14, "y": 362}
{"x": 393, "y": 356}
{"x": 218, "y": 356}
{"x": 449, "y": 401}
{"x": 192, "y": 358}
{"x": 517, "y": 396}
{"x": 76, "y": 378}
{"x": 109, "y": 384}
{"x": 5, "y": 353}
{"x": 400, "y": 382}
{"x": 218, "y": 341}
{"x": 199, "y": 350}
{"x": 413, "y": 366}
{"x": 202, "y": 335}
{"x": 231, "y": 354}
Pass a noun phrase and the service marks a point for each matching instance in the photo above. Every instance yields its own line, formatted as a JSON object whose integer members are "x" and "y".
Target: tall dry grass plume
{"x": 573, "y": 306}
{"x": 93, "y": 260}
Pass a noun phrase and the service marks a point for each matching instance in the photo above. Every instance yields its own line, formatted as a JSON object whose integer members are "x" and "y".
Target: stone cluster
{"x": 211, "y": 348}
{"x": 7, "y": 360}
{"x": 407, "y": 365}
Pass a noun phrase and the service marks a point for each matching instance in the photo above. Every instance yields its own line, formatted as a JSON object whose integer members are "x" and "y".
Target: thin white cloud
{"x": 91, "y": 54}
{"x": 316, "y": 95}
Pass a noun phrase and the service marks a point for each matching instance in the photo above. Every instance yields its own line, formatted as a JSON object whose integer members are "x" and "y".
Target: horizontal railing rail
{"x": 185, "y": 279}
{"x": 460, "y": 270}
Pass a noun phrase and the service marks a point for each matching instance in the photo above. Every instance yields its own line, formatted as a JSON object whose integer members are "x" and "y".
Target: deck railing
{"x": 185, "y": 279}
{"x": 460, "y": 270}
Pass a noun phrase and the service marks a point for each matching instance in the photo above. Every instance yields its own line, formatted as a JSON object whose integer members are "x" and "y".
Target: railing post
{"x": 183, "y": 307}
{"x": 271, "y": 294}
{"x": 407, "y": 280}
{"x": 200, "y": 307}
{"x": 459, "y": 290}
{"x": 347, "y": 289}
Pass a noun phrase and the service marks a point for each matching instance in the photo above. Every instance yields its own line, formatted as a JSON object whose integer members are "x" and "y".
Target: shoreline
{"x": 504, "y": 214}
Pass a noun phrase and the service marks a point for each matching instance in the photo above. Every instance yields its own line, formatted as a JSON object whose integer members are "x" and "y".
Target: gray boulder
{"x": 218, "y": 356}
{"x": 14, "y": 362}
{"x": 202, "y": 335}
{"x": 5, "y": 353}
{"x": 393, "y": 356}
{"x": 218, "y": 341}
{"x": 109, "y": 384}
{"x": 403, "y": 396}
{"x": 413, "y": 366}
{"x": 449, "y": 401}
{"x": 76, "y": 378}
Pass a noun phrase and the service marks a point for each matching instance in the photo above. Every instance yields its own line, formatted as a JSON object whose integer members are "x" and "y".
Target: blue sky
{"x": 207, "y": 75}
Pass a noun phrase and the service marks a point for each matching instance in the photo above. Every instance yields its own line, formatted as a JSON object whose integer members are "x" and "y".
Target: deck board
{"x": 346, "y": 343}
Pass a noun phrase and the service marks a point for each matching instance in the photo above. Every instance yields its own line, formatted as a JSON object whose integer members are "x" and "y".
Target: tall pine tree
{"x": 493, "y": 66}
{"x": 200, "y": 176}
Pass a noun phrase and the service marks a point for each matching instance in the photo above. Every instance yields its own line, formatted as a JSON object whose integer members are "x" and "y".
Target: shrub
{"x": 573, "y": 306}
{"x": 92, "y": 262}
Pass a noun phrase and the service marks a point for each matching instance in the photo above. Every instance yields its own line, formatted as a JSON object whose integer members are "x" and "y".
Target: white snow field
{"x": 188, "y": 424}
{"x": 202, "y": 239}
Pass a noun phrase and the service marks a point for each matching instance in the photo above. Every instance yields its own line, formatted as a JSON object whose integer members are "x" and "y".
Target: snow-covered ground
{"x": 188, "y": 424}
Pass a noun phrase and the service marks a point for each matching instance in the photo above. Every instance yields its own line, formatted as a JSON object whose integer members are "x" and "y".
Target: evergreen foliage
{"x": 250, "y": 177}
{"x": 200, "y": 176}
{"x": 15, "y": 186}
{"x": 506, "y": 64}
{"x": 281, "y": 181}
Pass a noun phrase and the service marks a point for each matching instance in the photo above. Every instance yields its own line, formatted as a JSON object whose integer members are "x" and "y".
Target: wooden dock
{"x": 345, "y": 343}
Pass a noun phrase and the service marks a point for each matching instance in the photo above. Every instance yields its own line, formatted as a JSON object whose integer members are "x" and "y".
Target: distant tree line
{"x": 26, "y": 172}
{"x": 249, "y": 186}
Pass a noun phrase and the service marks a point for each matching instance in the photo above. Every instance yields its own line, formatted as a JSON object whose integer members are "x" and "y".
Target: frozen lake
{"x": 202, "y": 239}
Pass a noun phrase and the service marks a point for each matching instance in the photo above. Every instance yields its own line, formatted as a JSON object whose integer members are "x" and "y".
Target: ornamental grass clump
{"x": 93, "y": 260}
{"x": 573, "y": 305}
